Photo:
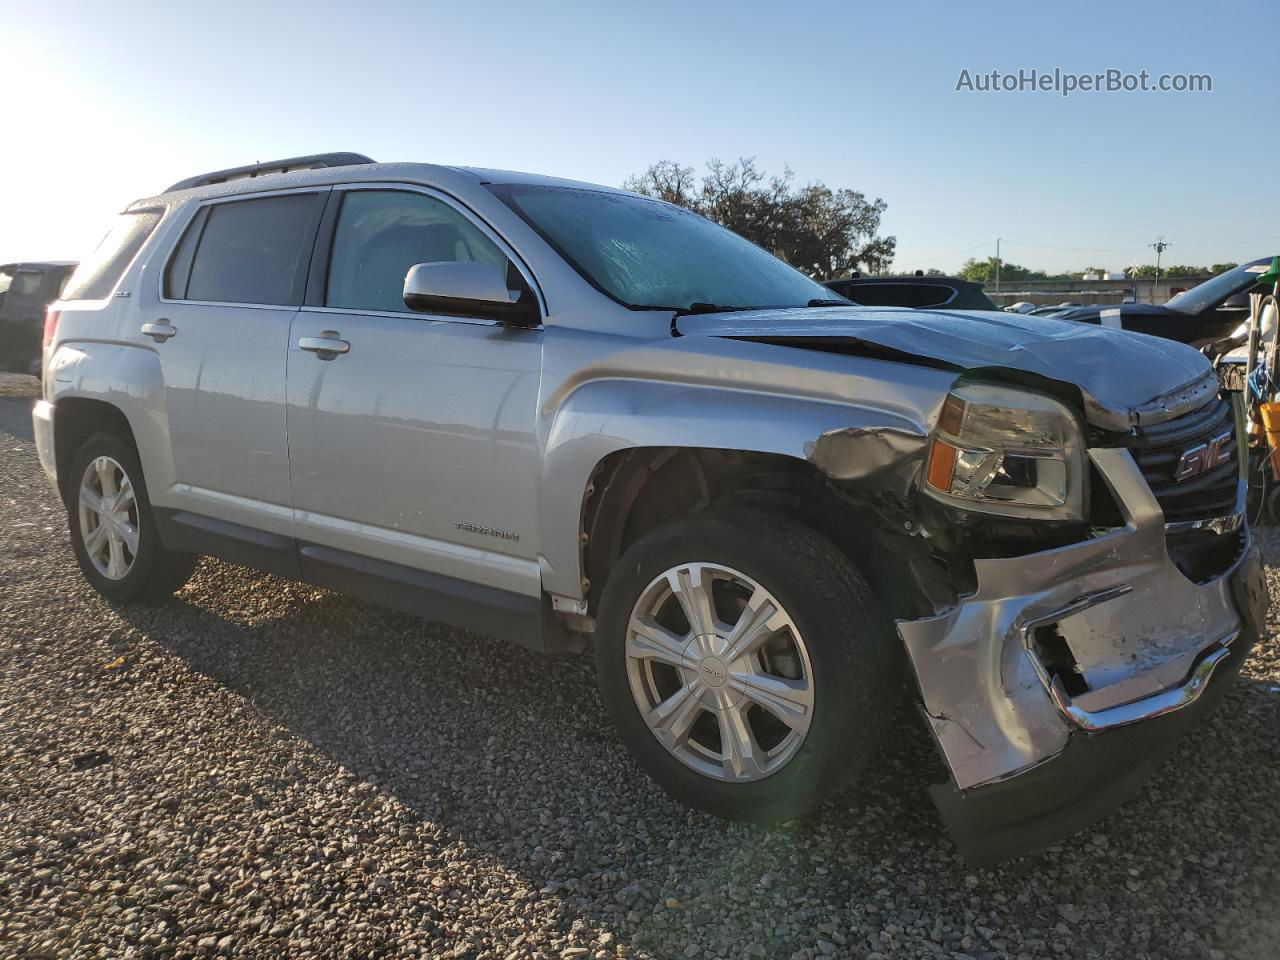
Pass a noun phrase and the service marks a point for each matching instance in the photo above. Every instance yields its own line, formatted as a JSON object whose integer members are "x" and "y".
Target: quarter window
{"x": 380, "y": 234}
{"x": 97, "y": 276}
{"x": 247, "y": 251}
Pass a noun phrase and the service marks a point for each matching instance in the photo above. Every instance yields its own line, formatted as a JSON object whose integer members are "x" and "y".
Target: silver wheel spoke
{"x": 739, "y": 752}
{"x": 647, "y": 640}
{"x": 672, "y": 719}
{"x": 95, "y": 539}
{"x": 790, "y": 701}
{"x": 759, "y": 621}
{"x": 124, "y": 497}
{"x": 691, "y": 587}
{"x": 89, "y": 499}
{"x": 116, "y": 566}
{"x": 129, "y": 534}
{"x": 106, "y": 476}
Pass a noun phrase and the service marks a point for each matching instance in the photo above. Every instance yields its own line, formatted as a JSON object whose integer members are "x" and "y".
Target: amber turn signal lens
{"x": 942, "y": 465}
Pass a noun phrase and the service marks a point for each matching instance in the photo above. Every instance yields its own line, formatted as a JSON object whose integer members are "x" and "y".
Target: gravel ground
{"x": 265, "y": 769}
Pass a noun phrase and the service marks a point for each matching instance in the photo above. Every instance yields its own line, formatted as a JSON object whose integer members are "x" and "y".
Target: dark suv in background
{"x": 920, "y": 291}
{"x": 26, "y": 289}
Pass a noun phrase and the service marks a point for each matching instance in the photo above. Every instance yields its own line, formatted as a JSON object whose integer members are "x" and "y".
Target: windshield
{"x": 1216, "y": 289}
{"x": 649, "y": 254}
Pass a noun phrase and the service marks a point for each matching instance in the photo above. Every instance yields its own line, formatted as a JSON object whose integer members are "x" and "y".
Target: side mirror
{"x": 466, "y": 289}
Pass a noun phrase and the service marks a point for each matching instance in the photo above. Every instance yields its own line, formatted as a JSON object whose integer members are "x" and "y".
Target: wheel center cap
{"x": 713, "y": 672}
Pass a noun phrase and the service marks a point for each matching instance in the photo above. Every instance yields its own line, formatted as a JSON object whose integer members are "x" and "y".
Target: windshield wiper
{"x": 828, "y": 303}
{"x": 699, "y": 306}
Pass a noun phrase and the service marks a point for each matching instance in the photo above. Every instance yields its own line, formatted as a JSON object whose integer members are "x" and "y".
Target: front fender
{"x": 604, "y": 416}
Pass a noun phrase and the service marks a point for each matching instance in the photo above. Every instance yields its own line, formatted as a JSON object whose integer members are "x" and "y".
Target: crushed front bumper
{"x": 1037, "y": 749}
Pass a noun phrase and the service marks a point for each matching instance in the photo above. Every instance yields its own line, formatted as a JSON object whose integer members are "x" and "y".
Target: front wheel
{"x": 744, "y": 662}
{"x": 113, "y": 531}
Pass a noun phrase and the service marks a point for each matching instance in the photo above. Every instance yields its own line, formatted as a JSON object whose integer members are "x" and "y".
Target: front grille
{"x": 1158, "y": 450}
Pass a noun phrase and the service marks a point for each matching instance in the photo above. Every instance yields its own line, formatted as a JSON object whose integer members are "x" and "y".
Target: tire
{"x": 843, "y": 656}
{"x": 150, "y": 574}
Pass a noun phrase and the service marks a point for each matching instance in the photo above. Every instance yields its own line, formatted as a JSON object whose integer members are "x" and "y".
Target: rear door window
{"x": 98, "y": 275}
{"x": 248, "y": 251}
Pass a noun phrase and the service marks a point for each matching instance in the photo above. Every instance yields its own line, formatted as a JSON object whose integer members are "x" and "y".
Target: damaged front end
{"x": 1069, "y": 565}
{"x": 1099, "y": 605}
{"x": 1055, "y": 687}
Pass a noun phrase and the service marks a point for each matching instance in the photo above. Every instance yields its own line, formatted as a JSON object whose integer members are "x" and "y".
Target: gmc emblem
{"x": 1203, "y": 457}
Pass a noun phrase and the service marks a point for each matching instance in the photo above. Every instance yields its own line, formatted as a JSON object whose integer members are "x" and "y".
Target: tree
{"x": 984, "y": 271}
{"x": 1147, "y": 271}
{"x": 821, "y": 231}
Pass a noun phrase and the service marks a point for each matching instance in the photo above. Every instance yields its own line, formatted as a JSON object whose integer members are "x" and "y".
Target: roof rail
{"x": 311, "y": 162}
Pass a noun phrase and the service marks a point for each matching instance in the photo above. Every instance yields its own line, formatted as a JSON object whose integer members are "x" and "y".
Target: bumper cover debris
{"x": 1035, "y": 755}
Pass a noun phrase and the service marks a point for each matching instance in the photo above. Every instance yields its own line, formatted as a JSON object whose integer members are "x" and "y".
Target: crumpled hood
{"x": 1124, "y": 378}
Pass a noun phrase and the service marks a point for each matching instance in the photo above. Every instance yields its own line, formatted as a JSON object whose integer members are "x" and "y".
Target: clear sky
{"x": 107, "y": 102}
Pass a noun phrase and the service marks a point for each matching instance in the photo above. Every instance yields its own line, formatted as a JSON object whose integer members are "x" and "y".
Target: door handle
{"x": 160, "y": 331}
{"x": 326, "y": 346}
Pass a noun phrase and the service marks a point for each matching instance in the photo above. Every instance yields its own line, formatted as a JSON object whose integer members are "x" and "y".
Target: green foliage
{"x": 984, "y": 271}
{"x": 822, "y": 231}
{"x": 1148, "y": 270}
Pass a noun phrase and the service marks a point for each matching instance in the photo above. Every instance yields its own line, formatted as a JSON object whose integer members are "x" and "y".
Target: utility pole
{"x": 1159, "y": 247}
{"x": 997, "y": 264}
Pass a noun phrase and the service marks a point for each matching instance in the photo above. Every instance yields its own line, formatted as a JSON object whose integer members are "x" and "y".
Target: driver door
{"x": 412, "y": 451}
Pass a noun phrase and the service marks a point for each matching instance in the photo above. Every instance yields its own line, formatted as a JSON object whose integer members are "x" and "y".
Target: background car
{"x": 1208, "y": 311}
{"x": 25, "y": 290}
{"x": 1053, "y": 311}
{"x": 917, "y": 291}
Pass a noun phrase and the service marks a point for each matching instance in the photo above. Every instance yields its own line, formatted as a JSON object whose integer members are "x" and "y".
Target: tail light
{"x": 50, "y": 327}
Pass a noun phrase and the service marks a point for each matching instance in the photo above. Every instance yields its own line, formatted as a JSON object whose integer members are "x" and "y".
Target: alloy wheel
{"x": 108, "y": 511}
{"x": 719, "y": 672}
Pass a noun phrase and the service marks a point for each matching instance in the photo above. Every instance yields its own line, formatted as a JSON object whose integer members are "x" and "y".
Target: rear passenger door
{"x": 220, "y": 329}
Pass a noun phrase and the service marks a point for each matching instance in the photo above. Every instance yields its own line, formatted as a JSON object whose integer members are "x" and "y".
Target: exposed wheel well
{"x": 634, "y": 491}
{"x": 75, "y": 420}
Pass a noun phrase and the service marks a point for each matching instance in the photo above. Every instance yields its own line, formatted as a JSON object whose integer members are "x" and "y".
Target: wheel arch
{"x": 75, "y": 420}
{"x": 625, "y": 455}
{"x": 111, "y": 386}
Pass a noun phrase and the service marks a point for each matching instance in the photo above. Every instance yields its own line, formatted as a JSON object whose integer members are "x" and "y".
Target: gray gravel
{"x": 265, "y": 769}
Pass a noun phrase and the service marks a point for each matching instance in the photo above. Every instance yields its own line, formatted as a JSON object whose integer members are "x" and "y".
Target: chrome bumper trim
{"x": 1147, "y": 708}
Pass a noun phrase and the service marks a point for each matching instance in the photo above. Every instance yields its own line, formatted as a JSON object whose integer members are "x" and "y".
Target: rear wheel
{"x": 113, "y": 531}
{"x": 744, "y": 663}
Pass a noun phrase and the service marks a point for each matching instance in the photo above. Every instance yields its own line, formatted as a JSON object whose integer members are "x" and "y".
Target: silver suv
{"x": 555, "y": 412}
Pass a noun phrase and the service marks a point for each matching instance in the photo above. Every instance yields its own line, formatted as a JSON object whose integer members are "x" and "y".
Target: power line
{"x": 944, "y": 256}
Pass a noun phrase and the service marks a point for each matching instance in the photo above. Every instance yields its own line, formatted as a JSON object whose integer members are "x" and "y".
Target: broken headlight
{"x": 1006, "y": 451}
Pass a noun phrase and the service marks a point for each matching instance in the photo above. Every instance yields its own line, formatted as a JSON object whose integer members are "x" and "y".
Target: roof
{"x": 319, "y": 169}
